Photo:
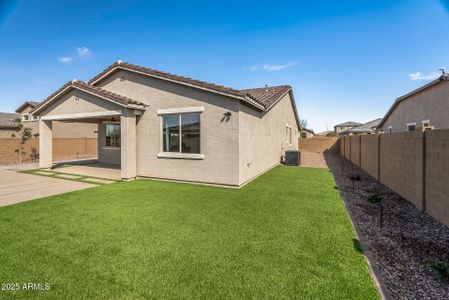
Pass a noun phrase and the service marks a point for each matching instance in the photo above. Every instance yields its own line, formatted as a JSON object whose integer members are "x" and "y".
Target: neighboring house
{"x": 60, "y": 129}
{"x": 307, "y": 133}
{"x": 426, "y": 108}
{"x": 161, "y": 125}
{"x": 367, "y": 128}
{"x": 339, "y": 128}
{"x": 324, "y": 133}
{"x": 8, "y": 125}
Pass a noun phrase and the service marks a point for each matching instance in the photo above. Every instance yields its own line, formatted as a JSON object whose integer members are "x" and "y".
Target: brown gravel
{"x": 406, "y": 242}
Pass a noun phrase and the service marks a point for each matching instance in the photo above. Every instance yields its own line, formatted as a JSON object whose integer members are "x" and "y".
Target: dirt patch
{"x": 403, "y": 242}
{"x": 313, "y": 160}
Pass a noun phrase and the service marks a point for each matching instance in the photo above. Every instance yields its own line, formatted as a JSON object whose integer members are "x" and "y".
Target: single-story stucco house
{"x": 159, "y": 125}
{"x": 425, "y": 108}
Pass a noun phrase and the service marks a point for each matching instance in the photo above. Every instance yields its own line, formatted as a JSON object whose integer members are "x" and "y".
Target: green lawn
{"x": 284, "y": 235}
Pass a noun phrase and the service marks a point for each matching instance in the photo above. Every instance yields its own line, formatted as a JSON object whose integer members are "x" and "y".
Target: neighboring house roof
{"x": 349, "y": 123}
{"x": 368, "y": 127}
{"x": 7, "y": 120}
{"x": 32, "y": 104}
{"x": 444, "y": 77}
{"x": 105, "y": 94}
{"x": 308, "y": 130}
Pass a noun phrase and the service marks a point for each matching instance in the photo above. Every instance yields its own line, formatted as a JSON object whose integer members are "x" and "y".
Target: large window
{"x": 181, "y": 133}
{"x": 113, "y": 135}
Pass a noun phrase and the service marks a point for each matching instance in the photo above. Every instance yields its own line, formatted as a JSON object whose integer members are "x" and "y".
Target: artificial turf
{"x": 284, "y": 235}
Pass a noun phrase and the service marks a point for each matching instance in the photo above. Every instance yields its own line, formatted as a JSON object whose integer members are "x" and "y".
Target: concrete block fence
{"x": 63, "y": 149}
{"x": 413, "y": 164}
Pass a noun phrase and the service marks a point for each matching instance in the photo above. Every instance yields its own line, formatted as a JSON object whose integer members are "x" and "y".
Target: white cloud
{"x": 271, "y": 68}
{"x": 419, "y": 76}
{"x": 65, "y": 59}
{"x": 83, "y": 52}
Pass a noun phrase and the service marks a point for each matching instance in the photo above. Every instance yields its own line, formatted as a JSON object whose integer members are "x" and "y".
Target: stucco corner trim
{"x": 180, "y": 110}
{"x": 180, "y": 155}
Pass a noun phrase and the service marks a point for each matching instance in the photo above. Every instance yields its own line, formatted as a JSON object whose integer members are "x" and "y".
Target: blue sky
{"x": 346, "y": 60}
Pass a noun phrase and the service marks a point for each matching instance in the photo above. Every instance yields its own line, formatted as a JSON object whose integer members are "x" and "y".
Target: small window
{"x": 113, "y": 136}
{"x": 25, "y": 117}
{"x": 426, "y": 123}
{"x": 181, "y": 133}
{"x": 303, "y": 135}
{"x": 286, "y": 133}
{"x": 290, "y": 136}
{"x": 411, "y": 126}
{"x": 390, "y": 129}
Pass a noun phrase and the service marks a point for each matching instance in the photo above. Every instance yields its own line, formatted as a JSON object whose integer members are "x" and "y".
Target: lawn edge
{"x": 374, "y": 270}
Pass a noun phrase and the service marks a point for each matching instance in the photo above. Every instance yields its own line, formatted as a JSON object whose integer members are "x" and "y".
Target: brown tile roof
{"x": 267, "y": 96}
{"x": 264, "y": 97}
{"x": 113, "y": 97}
{"x": 152, "y": 72}
{"x": 7, "y": 120}
{"x": 261, "y": 98}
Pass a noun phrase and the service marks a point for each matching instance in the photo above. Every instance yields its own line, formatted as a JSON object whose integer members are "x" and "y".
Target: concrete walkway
{"x": 94, "y": 170}
{"x": 16, "y": 187}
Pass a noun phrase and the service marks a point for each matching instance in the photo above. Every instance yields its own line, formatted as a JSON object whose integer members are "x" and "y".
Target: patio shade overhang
{"x": 80, "y": 102}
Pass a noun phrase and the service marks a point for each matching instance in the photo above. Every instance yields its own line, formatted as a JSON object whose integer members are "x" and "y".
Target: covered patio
{"x": 117, "y": 118}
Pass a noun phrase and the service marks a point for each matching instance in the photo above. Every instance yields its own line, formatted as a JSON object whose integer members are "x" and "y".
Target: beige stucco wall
{"x": 430, "y": 104}
{"x": 219, "y": 139}
{"x": 263, "y": 138}
{"x": 69, "y": 104}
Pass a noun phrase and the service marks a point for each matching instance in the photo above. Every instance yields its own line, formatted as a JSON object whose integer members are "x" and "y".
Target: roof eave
{"x": 70, "y": 86}
{"x": 116, "y": 67}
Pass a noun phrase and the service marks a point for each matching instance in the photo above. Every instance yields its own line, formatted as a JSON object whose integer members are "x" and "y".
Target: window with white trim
{"x": 181, "y": 133}
{"x": 25, "y": 118}
{"x": 426, "y": 123}
{"x": 113, "y": 139}
{"x": 390, "y": 129}
{"x": 411, "y": 126}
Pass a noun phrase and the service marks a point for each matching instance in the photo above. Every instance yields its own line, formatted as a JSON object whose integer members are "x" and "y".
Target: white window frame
{"x": 180, "y": 111}
{"x": 390, "y": 129}
{"x": 425, "y": 121}
{"x": 411, "y": 124}
{"x": 25, "y": 117}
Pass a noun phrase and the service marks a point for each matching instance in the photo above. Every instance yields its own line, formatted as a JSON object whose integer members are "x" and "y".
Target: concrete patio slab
{"x": 17, "y": 187}
{"x": 67, "y": 176}
{"x": 93, "y": 170}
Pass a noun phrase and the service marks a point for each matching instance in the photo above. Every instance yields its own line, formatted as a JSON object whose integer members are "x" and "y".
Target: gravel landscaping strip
{"x": 407, "y": 241}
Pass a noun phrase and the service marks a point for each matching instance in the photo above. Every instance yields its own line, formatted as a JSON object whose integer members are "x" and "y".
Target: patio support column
{"x": 45, "y": 144}
{"x": 128, "y": 145}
